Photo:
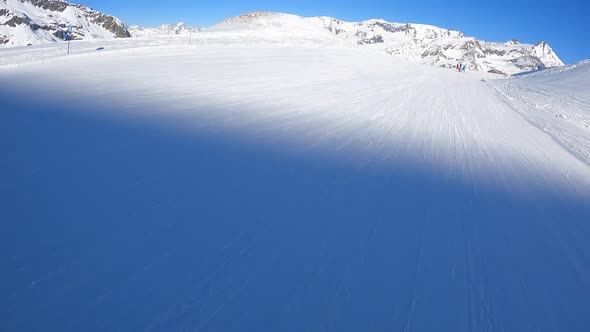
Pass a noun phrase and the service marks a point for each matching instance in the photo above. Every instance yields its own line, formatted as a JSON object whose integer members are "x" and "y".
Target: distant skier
{"x": 463, "y": 68}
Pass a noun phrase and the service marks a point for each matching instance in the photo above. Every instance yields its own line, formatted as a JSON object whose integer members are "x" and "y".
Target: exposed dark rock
{"x": 17, "y": 20}
{"x": 111, "y": 24}
{"x": 490, "y": 51}
{"x": 361, "y": 34}
{"x": 434, "y": 51}
{"x": 330, "y": 26}
{"x": 541, "y": 43}
{"x": 61, "y": 34}
{"x": 335, "y": 30}
{"x": 53, "y": 5}
{"x": 108, "y": 22}
{"x": 389, "y": 27}
{"x": 528, "y": 62}
{"x": 374, "y": 40}
{"x": 496, "y": 71}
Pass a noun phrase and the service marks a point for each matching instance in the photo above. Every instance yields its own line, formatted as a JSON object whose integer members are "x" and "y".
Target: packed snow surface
{"x": 556, "y": 100}
{"x": 232, "y": 186}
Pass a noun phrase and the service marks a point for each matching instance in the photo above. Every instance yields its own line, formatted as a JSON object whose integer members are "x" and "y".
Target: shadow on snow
{"x": 115, "y": 225}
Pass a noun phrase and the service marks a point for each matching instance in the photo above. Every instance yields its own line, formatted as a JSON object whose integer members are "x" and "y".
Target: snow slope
{"x": 418, "y": 43}
{"x": 24, "y": 22}
{"x": 269, "y": 187}
{"x": 557, "y": 101}
{"x": 42, "y": 21}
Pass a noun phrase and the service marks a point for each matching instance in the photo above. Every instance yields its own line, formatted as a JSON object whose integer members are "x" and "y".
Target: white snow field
{"x": 233, "y": 186}
{"x": 557, "y": 100}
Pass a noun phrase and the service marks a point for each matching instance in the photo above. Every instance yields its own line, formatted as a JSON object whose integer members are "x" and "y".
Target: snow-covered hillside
{"x": 235, "y": 185}
{"x": 31, "y": 22}
{"x": 415, "y": 42}
{"x": 41, "y": 21}
{"x": 556, "y": 100}
{"x": 163, "y": 30}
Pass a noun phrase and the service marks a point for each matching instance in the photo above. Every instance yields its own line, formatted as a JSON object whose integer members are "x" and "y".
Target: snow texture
{"x": 288, "y": 186}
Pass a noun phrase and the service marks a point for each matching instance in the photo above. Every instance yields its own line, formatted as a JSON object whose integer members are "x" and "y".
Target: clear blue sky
{"x": 564, "y": 24}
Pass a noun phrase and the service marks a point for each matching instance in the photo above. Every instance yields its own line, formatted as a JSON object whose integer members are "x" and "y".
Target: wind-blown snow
{"x": 226, "y": 185}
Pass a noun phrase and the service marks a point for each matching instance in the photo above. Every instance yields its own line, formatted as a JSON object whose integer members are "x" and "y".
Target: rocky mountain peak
{"x": 419, "y": 43}
{"x": 25, "y": 22}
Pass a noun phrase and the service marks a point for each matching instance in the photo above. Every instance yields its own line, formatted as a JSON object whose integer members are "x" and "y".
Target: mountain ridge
{"x": 179, "y": 28}
{"x": 30, "y": 22}
{"x": 421, "y": 43}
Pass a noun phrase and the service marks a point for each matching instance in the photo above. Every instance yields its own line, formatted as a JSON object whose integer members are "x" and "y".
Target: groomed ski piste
{"x": 247, "y": 184}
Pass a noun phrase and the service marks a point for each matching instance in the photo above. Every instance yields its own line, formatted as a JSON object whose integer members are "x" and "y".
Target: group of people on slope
{"x": 460, "y": 67}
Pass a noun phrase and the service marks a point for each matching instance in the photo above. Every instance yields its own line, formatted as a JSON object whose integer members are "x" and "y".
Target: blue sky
{"x": 563, "y": 24}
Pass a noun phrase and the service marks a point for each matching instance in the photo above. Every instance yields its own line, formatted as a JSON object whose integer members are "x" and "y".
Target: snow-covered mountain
{"x": 415, "y": 42}
{"x": 24, "y": 22}
{"x": 163, "y": 30}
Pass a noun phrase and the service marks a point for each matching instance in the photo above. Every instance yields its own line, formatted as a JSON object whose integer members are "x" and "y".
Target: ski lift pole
{"x": 69, "y": 36}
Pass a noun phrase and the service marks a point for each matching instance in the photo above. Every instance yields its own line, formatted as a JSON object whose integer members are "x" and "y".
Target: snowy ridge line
{"x": 549, "y": 71}
{"x": 163, "y": 30}
{"x": 45, "y": 21}
{"x": 418, "y": 43}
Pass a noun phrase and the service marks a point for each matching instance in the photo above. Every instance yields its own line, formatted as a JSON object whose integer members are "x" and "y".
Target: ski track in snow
{"x": 560, "y": 107}
{"x": 232, "y": 187}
